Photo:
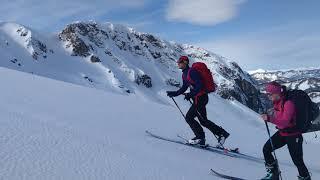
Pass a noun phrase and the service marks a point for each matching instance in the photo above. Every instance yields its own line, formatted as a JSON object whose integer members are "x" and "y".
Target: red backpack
{"x": 206, "y": 76}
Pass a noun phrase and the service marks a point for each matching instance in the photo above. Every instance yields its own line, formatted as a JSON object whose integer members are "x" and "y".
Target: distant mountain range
{"x": 304, "y": 79}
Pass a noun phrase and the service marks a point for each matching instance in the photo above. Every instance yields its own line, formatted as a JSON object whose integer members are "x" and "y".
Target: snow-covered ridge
{"x": 282, "y": 70}
{"x": 116, "y": 58}
{"x": 26, "y": 38}
{"x": 307, "y": 79}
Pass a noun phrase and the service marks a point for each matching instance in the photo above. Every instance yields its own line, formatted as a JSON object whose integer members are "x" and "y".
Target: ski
{"x": 234, "y": 150}
{"x": 209, "y": 148}
{"x": 225, "y": 176}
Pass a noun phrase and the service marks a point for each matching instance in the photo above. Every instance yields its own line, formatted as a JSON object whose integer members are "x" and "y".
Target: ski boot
{"x": 197, "y": 141}
{"x": 272, "y": 172}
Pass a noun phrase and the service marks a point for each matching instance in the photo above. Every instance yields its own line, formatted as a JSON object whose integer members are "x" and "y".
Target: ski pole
{"x": 178, "y": 108}
{"x": 273, "y": 150}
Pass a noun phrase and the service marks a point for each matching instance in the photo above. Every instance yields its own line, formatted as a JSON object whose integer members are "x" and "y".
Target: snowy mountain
{"x": 118, "y": 59}
{"x": 305, "y": 79}
{"x": 56, "y": 130}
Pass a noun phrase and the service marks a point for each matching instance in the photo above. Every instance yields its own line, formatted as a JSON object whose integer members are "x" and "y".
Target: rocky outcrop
{"x": 95, "y": 59}
{"x": 144, "y": 80}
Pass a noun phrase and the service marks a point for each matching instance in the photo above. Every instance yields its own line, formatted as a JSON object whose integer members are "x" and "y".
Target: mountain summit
{"x": 117, "y": 58}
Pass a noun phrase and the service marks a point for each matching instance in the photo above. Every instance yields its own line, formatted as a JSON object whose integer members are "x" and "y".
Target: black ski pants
{"x": 199, "y": 110}
{"x": 294, "y": 144}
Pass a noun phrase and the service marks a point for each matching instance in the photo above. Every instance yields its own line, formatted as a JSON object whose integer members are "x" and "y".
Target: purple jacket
{"x": 195, "y": 87}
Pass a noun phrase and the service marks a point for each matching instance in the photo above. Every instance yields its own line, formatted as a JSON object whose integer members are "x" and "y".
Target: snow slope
{"x": 55, "y": 130}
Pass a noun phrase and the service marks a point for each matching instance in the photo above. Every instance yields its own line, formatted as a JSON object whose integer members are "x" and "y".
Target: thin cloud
{"x": 202, "y": 12}
{"x": 284, "y": 47}
{"x": 39, "y": 13}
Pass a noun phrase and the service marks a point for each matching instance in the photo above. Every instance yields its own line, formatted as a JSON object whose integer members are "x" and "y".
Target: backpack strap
{"x": 285, "y": 94}
{"x": 188, "y": 78}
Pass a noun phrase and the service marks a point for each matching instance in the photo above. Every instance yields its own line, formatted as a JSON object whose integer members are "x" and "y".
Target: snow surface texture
{"x": 55, "y": 130}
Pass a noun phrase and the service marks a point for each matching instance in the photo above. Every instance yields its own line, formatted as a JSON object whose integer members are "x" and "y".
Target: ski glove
{"x": 171, "y": 93}
{"x": 188, "y": 96}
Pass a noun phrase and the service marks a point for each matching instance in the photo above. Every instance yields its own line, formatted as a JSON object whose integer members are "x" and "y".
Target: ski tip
{"x": 214, "y": 171}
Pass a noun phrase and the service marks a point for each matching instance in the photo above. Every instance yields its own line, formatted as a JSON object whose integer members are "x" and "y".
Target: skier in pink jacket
{"x": 283, "y": 116}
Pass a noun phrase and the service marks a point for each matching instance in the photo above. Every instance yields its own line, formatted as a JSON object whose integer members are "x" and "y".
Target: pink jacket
{"x": 284, "y": 117}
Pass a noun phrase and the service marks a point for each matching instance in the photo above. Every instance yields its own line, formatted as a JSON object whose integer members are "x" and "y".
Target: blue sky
{"x": 257, "y": 34}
